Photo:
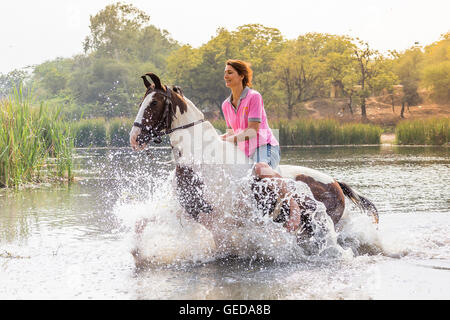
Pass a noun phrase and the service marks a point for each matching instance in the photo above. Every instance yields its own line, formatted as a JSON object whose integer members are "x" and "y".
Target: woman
{"x": 248, "y": 128}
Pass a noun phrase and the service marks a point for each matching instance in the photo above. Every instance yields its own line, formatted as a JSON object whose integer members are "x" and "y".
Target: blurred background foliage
{"x": 104, "y": 81}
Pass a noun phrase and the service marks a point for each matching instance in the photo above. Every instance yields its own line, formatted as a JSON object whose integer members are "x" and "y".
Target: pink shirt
{"x": 250, "y": 108}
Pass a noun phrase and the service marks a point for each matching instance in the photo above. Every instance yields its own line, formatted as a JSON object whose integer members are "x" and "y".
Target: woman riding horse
{"x": 247, "y": 127}
{"x": 206, "y": 165}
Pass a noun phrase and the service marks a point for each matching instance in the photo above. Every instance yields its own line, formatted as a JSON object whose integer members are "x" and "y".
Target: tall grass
{"x": 320, "y": 132}
{"x": 119, "y": 132}
{"x": 433, "y": 131}
{"x": 90, "y": 133}
{"x": 99, "y": 133}
{"x": 326, "y": 132}
{"x": 34, "y": 143}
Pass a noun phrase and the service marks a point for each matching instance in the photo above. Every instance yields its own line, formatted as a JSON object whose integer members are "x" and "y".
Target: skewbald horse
{"x": 206, "y": 166}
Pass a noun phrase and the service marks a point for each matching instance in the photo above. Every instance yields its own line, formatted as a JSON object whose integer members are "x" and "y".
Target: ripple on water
{"x": 76, "y": 242}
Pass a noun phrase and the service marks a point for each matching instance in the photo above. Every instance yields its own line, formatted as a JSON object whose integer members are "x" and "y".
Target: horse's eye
{"x": 153, "y": 103}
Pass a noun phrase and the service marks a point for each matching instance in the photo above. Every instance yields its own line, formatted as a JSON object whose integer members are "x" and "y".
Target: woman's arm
{"x": 227, "y": 134}
{"x": 247, "y": 134}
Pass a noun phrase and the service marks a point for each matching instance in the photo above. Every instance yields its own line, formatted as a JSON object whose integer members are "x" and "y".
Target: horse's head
{"x": 156, "y": 112}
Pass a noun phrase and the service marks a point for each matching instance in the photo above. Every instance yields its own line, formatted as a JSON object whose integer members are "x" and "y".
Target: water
{"x": 75, "y": 242}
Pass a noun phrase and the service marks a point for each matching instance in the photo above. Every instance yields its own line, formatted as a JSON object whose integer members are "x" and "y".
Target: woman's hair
{"x": 243, "y": 69}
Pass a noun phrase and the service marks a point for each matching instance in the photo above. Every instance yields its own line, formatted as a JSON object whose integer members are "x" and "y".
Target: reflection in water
{"x": 238, "y": 280}
{"x": 75, "y": 241}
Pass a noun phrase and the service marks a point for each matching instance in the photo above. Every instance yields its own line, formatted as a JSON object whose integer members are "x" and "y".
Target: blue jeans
{"x": 268, "y": 154}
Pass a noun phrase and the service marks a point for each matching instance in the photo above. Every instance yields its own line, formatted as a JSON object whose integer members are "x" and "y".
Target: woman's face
{"x": 232, "y": 77}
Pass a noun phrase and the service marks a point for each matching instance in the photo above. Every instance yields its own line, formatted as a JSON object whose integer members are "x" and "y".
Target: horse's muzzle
{"x": 134, "y": 135}
{"x": 139, "y": 138}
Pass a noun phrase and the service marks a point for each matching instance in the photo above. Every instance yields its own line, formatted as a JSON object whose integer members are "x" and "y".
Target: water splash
{"x": 356, "y": 231}
{"x": 171, "y": 237}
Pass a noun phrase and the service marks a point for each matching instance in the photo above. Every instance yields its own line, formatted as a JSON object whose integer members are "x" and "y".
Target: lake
{"x": 75, "y": 241}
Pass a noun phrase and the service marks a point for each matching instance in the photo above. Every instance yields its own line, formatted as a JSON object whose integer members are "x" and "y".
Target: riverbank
{"x": 379, "y": 111}
{"x": 387, "y": 138}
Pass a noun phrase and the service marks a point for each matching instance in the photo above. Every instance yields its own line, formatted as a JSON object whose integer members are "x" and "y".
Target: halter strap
{"x": 185, "y": 126}
{"x": 139, "y": 125}
{"x": 156, "y": 133}
{"x": 167, "y": 95}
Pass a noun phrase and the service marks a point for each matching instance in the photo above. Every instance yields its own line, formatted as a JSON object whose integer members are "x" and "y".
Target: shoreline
{"x": 387, "y": 138}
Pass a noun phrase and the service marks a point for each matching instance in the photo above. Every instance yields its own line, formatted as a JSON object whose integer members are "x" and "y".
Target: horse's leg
{"x": 140, "y": 225}
{"x": 263, "y": 171}
{"x": 189, "y": 190}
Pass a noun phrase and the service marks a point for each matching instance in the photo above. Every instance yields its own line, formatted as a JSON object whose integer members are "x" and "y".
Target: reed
{"x": 326, "y": 132}
{"x": 94, "y": 133}
{"x": 35, "y": 144}
{"x": 90, "y": 133}
{"x": 432, "y": 131}
{"x": 119, "y": 132}
{"x": 320, "y": 132}
{"x": 99, "y": 133}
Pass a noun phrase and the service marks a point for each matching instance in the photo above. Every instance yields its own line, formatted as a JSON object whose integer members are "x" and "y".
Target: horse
{"x": 209, "y": 170}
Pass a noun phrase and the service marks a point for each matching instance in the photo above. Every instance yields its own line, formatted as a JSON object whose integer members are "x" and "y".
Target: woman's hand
{"x": 231, "y": 138}
{"x": 227, "y": 134}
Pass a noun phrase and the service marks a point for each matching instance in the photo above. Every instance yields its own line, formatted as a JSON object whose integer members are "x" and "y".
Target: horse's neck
{"x": 185, "y": 140}
{"x": 201, "y": 143}
{"x": 191, "y": 115}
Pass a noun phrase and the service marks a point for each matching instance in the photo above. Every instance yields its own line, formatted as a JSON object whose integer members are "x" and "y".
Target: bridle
{"x": 154, "y": 134}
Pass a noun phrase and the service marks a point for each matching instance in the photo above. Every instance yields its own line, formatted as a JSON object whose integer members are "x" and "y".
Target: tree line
{"x": 122, "y": 45}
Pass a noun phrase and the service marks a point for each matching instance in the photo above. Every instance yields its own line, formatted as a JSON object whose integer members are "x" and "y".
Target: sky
{"x": 33, "y": 32}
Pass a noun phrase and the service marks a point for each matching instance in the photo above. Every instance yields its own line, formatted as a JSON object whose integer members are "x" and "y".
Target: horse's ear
{"x": 155, "y": 80}
{"x": 177, "y": 89}
{"x": 146, "y": 83}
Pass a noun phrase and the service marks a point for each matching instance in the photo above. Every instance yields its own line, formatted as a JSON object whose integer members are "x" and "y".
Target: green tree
{"x": 341, "y": 67}
{"x": 11, "y": 80}
{"x": 199, "y": 71}
{"x": 369, "y": 67}
{"x": 436, "y": 70}
{"x": 105, "y": 80}
{"x": 385, "y": 78}
{"x": 407, "y": 66}
{"x": 308, "y": 65}
{"x": 260, "y": 45}
{"x": 154, "y": 45}
{"x": 51, "y": 77}
{"x": 107, "y": 87}
{"x": 115, "y": 30}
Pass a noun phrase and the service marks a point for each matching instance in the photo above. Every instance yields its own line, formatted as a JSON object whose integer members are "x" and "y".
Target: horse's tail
{"x": 361, "y": 202}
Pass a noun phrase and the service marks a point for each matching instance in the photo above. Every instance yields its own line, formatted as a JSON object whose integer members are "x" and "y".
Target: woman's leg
{"x": 263, "y": 170}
